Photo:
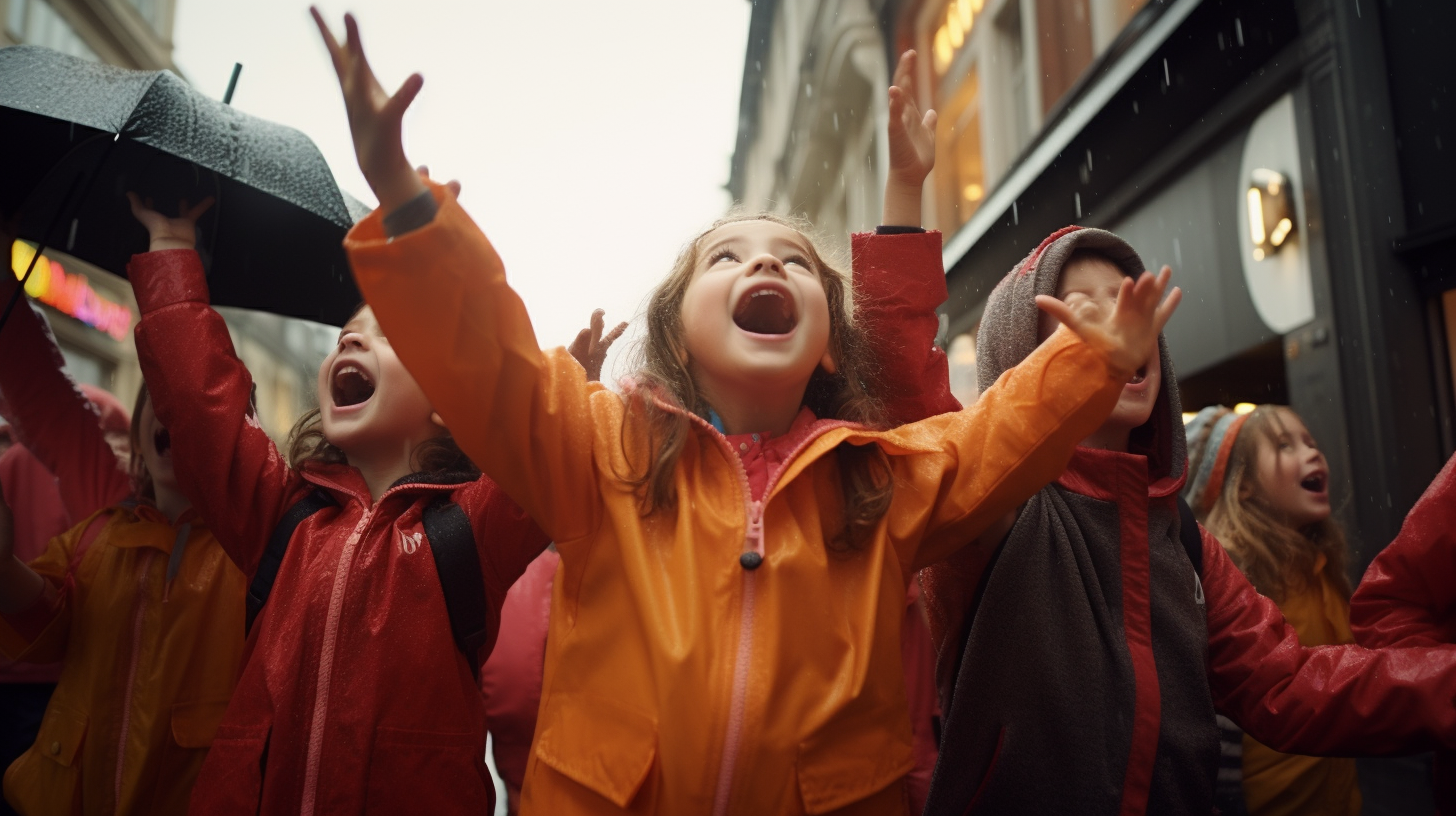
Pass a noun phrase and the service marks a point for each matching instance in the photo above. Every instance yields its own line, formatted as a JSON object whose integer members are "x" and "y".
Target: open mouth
{"x": 1139, "y": 376}
{"x": 765, "y": 310}
{"x": 351, "y": 386}
{"x": 1315, "y": 482}
{"x": 161, "y": 441}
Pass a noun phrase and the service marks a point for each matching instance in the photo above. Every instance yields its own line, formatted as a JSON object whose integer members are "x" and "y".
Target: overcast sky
{"x": 592, "y": 138}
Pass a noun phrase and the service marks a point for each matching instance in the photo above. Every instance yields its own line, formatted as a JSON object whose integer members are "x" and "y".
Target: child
{"x": 1083, "y": 649}
{"x": 137, "y": 599}
{"x": 357, "y": 688}
{"x": 1408, "y": 595}
{"x": 1258, "y": 482}
{"x": 735, "y": 544}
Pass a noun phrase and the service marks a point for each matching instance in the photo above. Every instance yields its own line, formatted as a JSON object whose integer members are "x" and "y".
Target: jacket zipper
{"x": 326, "y": 662}
{"x": 138, "y": 615}
{"x": 754, "y": 542}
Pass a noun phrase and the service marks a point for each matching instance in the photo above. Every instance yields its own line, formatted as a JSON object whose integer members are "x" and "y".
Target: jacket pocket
{"x": 47, "y": 778}
{"x": 844, "y": 762}
{"x": 193, "y": 727}
{"x": 413, "y": 771}
{"x": 232, "y": 773}
{"x": 597, "y": 743}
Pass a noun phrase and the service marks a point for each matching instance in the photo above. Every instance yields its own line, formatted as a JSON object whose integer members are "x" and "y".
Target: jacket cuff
{"x": 167, "y": 277}
{"x": 888, "y": 230}
{"x": 896, "y": 265}
{"x": 377, "y": 228}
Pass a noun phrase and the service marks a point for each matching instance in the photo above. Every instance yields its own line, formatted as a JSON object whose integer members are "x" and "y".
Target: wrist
{"x": 164, "y": 243}
{"x": 396, "y": 188}
{"x": 902, "y": 204}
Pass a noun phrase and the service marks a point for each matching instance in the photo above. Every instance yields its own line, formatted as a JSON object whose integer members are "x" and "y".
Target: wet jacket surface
{"x": 1408, "y": 594}
{"x": 146, "y": 615}
{"x": 1083, "y": 660}
{"x": 353, "y": 697}
{"x": 676, "y": 680}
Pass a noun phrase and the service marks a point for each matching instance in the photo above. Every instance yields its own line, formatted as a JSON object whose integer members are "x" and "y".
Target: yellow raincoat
{"x": 149, "y": 664}
{"x": 676, "y": 680}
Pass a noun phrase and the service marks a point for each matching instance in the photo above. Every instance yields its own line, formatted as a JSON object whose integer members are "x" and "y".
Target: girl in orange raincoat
{"x": 138, "y": 600}
{"x": 736, "y": 537}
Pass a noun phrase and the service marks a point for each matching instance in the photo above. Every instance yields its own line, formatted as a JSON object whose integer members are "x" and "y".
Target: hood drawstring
{"x": 174, "y": 563}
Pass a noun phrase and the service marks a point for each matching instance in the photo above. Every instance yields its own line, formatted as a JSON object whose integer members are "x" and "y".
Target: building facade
{"x": 1290, "y": 159}
{"x": 92, "y": 311}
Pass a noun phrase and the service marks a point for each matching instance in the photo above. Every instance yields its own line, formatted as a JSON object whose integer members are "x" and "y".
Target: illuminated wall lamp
{"x": 1271, "y": 213}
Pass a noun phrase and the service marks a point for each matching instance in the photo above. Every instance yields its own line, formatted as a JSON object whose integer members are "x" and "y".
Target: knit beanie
{"x": 1211, "y": 436}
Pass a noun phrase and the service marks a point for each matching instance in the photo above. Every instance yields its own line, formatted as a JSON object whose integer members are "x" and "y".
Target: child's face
{"x": 156, "y": 449}
{"x": 755, "y": 314}
{"x": 1291, "y": 473}
{"x": 370, "y": 404}
{"x": 1095, "y": 281}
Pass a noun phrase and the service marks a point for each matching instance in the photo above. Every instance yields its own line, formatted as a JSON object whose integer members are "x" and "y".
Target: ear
{"x": 827, "y": 363}
{"x": 435, "y": 418}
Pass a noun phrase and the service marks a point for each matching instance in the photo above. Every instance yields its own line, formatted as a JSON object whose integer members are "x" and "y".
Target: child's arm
{"x": 1326, "y": 700}
{"x": 201, "y": 392}
{"x": 52, "y": 418}
{"x": 1019, "y": 435}
{"x": 439, "y": 291}
{"x": 899, "y": 279}
{"x": 1408, "y": 595}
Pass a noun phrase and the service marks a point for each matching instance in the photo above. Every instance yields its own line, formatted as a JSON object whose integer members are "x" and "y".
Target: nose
{"x": 767, "y": 264}
{"x": 353, "y": 340}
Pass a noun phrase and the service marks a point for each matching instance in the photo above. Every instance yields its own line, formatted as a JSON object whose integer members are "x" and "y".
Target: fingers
{"x": 394, "y": 109}
{"x": 1057, "y": 309}
{"x": 931, "y": 117}
{"x": 335, "y": 51}
{"x": 137, "y": 209}
{"x": 1166, "y": 309}
{"x": 613, "y": 335}
{"x": 905, "y": 71}
{"x": 195, "y": 212}
{"x": 454, "y": 187}
{"x": 579, "y": 346}
{"x": 597, "y": 323}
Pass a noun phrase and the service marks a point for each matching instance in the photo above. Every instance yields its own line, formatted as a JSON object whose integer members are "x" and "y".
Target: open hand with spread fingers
{"x": 590, "y": 347}
{"x": 167, "y": 232}
{"x": 1128, "y": 333}
{"x": 911, "y": 136}
{"x": 375, "y": 117}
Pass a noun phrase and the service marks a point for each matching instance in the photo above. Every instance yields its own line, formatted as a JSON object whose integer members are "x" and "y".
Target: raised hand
{"x": 167, "y": 232}
{"x": 375, "y": 117}
{"x": 912, "y": 147}
{"x": 1128, "y": 334}
{"x": 590, "y": 347}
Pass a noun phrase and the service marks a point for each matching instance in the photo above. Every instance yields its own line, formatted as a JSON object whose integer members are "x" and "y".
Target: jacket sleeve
{"x": 39, "y": 633}
{"x": 52, "y": 418}
{"x": 225, "y": 463}
{"x": 1011, "y": 442}
{"x": 899, "y": 282}
{"x": 1408, "y": 595}
{"x": 523, "y": 416}
{"x": 1323, "y": 700}
{"x": 507, "y": 539}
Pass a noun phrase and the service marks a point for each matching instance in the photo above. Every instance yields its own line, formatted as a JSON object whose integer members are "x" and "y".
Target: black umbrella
{"x": 79, "y": 135}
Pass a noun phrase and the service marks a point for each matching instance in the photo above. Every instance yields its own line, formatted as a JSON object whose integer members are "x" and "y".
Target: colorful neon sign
{"x": 68, "y": 292}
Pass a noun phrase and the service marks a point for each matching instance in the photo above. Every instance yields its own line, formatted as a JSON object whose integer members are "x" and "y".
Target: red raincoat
{"x": 354, "y": 697}
{"x": 1408, "y": 595}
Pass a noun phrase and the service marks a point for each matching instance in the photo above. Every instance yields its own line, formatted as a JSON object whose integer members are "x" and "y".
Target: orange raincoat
{"x": 676, "y": 681}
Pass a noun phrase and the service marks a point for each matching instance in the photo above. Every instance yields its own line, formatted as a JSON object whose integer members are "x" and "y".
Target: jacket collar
{"x": 1091, "y": 473}
{"x": 347, "y": 482}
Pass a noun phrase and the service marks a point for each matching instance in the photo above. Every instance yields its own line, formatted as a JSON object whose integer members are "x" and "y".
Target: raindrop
{"x": 1357, "y": 8}
{"x": 1077, "y": 197}
{"x": 809, "y": 91}
{"x": 1134, "y": 106}
{"x": 836, "y": 121}
{"x": 1220, "y": 40}
{"x": 1438, "y": 142}
{"x": 1178, "y": 252}
{"x": 1015, "y": 216}
{"x": 1239, "y": 31}
{"x": 1089, "y": 159}
{"x": 1167, "y": 80}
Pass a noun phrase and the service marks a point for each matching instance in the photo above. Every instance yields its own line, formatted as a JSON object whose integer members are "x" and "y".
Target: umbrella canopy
{"x": 79, "y": 135}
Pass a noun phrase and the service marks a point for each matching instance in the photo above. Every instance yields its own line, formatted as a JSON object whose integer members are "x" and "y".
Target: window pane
{"x": 960, "y": 167}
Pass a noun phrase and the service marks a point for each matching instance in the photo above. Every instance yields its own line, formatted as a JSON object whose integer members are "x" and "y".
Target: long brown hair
{"x": 1277, "y": 558}
{"x": 661, "y": 366}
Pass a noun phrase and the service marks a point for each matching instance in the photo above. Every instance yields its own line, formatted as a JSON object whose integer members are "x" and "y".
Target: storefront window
{"x": 960, "y": 173}
{"x": 953, "y": 32}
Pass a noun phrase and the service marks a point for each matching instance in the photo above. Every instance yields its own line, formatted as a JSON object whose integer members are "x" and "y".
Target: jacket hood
{"x": 1008, "y": 334}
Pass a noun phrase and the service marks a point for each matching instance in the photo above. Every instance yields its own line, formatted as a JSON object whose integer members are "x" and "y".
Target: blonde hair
{"x": 1278, "y": 559}
{"x": 661, "y": 366}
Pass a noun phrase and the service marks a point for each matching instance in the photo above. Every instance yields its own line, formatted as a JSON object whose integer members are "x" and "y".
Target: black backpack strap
{"x": 1191, "y": 536}
{"x": 272, "y": 559}
{"x": 452, "y": 543}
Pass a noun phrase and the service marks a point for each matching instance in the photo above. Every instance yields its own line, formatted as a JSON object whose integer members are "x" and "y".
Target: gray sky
{"x": 592, "y": 138}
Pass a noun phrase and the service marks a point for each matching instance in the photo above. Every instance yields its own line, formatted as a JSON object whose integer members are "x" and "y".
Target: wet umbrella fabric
{"x": 79, "y": 135}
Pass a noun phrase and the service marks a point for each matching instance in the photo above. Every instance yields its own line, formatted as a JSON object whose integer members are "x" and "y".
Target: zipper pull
{"x": 753, "y": 558}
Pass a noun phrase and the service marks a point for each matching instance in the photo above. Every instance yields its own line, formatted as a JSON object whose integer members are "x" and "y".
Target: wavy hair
{"x": 1279, "y": 559}
{"x": 661, "y": 370}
